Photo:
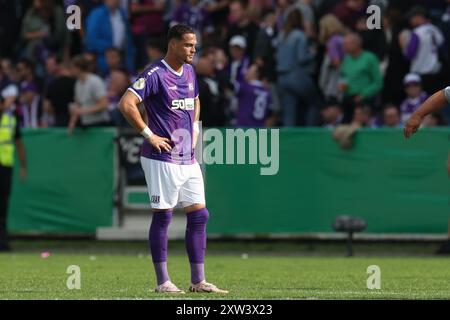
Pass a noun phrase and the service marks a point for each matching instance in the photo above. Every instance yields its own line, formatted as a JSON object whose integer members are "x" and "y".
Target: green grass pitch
{"x": 259, "y": 274}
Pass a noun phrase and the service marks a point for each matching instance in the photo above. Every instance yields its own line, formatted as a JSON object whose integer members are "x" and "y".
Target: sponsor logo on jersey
{"x": 183, "y": 104}
{"x": 172, "y": 88}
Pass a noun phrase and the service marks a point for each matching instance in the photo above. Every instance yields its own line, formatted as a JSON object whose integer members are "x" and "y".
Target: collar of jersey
{"x": 171, "y": 70}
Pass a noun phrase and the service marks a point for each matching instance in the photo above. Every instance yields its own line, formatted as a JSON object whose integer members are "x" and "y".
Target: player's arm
{"x": 434, "y": 103}
{"x": 100, "y": 105}
{"x": 196, "y": 121}
{"x": 128, "y": 105}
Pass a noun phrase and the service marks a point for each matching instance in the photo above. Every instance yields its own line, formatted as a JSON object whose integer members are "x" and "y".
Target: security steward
{"x": 10, "y": 139}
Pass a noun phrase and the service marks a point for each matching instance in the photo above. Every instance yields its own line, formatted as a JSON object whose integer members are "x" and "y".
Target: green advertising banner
{"x": 69, "y": 188}
{"x": 396, "y": 185}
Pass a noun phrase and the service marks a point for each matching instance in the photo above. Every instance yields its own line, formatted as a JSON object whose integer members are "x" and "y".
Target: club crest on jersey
{"x": 191, "y": 87}
{"x": 139, "y": 84}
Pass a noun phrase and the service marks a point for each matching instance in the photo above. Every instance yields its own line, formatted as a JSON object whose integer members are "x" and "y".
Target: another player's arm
{"x": 196, "y": 121}
{"x": 128, "y": 105}
{"x": 434, "y": 103}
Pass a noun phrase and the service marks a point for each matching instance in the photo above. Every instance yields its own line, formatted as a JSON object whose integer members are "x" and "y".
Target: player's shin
{"x": 158, "y": 238}
{"x": 196, "y": 243}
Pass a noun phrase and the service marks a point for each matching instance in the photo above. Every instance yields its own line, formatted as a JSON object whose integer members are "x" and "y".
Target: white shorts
{"x": 169, "y": 183}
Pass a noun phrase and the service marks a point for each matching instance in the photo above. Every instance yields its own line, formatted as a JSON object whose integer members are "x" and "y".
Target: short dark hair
{"x": 114, "y": 49}
{"x": 177, "y": 32}
{"x": 244, "y": 3}
{"x": 81, "y": 63}
{"x": 260, "y": 72}
{"x": 156, "y": 43}
{"x": 331, "y": 102}
{"x": 54, "y": 56}
{"x": 28, "y": 63}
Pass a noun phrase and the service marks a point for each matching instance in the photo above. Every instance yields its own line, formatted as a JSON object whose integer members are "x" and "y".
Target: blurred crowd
{"x": 259, "y": 62}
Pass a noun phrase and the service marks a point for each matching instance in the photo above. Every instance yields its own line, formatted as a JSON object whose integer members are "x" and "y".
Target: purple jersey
{"x": 168, "y": 97}
{"x": 195, "y": 17}
{"x": 254, "y": 104}
{"x": 410, "y": 105}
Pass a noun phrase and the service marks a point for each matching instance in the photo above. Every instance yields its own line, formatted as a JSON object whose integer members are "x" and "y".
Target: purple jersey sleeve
{"x": 146, "y": 85}
{"x": 413, "y": 45}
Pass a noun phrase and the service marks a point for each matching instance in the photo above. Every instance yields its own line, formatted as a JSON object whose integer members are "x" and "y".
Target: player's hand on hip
{"x": 412, "y": 125}
{"x": 160, "y": 143}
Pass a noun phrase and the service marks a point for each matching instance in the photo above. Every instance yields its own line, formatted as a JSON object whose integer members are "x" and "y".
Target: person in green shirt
{"x": 361, "y": 78}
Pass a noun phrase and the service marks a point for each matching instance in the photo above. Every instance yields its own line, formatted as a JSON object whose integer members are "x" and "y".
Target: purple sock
{"x": 196, "y": 243}
{"x": 158, "y": 243}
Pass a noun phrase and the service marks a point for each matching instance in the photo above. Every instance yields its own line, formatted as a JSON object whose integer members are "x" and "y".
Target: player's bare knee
{"x": 161, "y": 210}
{"x": 194, "y": 207}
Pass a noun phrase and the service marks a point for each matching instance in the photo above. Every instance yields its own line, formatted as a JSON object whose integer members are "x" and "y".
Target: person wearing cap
{"x": 239, "y": 61}
{"x": 421, "y": 47}
{"x": 236, "y": 70}
{"x": 241, "y": 24}
{"x": 10, "y": 138}
{"x": 415, "y": 96}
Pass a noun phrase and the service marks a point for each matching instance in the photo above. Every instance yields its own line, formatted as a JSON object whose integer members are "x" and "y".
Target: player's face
{"x": 185, "y": 48}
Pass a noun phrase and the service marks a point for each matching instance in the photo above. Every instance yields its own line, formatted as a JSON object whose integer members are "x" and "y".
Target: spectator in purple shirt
{"x": 254, "y": 100}
{"x": 415, "y": 96}
{"x": 194, "y": 14}
{"x": 239, "y": 61}
{"x": 235, "y": 72}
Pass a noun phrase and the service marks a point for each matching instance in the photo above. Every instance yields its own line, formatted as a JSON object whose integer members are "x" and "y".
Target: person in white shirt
{"x": 421, "y": 47}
